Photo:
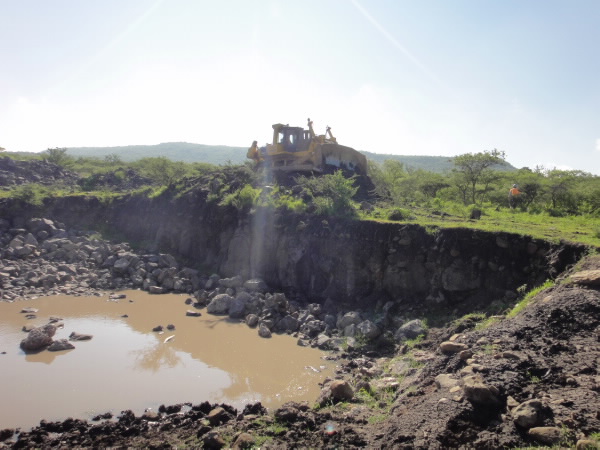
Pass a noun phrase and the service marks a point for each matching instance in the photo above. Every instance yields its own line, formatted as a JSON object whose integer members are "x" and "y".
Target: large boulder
{"x": 410, "y": 330}
{"x": 219, "y": 304}
{"x": 349, "y": 318}
{"x": 234, "y": 282}
{"x": 263, "y": 330}
{"x": 528, "y": 414}
{"x": 38, "y": 338}
{"x": 237, "y": 307}
{"x": 476, "y": 391}
{"x": 336, "y": 391}
{"x": 287, "y": 324}
{"x": 368, "y": 329}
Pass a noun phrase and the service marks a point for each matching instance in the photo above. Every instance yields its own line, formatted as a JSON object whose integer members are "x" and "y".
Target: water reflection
{"x": 155, "y": 357}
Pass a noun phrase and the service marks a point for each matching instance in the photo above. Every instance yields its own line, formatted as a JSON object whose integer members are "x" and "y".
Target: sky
{"x": 426, "y": 77}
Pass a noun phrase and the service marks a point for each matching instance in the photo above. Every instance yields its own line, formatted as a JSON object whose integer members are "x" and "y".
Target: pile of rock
{"x": 40, "y": 257}
{"x": 14, "y": 172}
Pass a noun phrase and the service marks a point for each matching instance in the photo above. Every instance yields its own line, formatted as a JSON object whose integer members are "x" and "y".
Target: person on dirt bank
{"x": 513, "y": 196}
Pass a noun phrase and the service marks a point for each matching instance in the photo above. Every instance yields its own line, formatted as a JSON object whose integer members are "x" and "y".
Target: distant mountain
{"x": 175, "y": 151}
{"x": 439, "y": 164}
{"x": 221, "y": 154}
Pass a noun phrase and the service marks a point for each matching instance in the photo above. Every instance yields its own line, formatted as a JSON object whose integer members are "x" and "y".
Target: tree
{"x": 386, "y": 178}
{"x": 59, "y": 157}
{"x": 162, "y": 170}
{"x": 113, "y": 159}
{"x": 473, "y": 170}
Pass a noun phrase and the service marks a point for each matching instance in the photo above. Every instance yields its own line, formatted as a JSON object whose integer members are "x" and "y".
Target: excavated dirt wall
{"x": 354, "y": 262}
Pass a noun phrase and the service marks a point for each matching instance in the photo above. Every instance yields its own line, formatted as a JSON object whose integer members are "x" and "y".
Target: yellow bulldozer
{"x": 295, "y": 149}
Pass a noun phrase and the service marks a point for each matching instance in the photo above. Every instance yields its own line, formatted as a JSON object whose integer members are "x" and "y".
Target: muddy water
{"x": 127, "y": 366}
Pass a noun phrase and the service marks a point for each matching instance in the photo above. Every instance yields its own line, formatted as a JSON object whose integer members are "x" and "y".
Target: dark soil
{"x": 549, "y": 352}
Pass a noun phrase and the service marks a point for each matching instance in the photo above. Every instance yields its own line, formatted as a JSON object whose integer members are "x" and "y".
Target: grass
{"x": 527, "y": 299}
{"x": 487, "y": 323}
{"x": 582, "y": 228}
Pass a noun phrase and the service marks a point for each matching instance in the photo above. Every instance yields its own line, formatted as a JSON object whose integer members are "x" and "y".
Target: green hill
{"x": 222, "y": 154}
{"x": 175, "y": 151}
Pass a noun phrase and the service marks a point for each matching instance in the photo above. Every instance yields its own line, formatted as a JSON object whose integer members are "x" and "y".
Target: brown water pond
{"x": 128, "y": 366}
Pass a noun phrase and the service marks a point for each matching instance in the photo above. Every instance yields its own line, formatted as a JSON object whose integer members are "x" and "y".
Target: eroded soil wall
{"x": 354, "y": 262}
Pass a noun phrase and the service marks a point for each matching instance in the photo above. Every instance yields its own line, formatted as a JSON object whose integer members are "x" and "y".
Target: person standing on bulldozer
{"x": 513, "y": 196}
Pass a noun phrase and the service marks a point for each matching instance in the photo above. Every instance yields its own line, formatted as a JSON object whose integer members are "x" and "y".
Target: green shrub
{"x": 242, "y": 199}
{"x": 31, "y": 193}
{"x": 331, "y": 194}
{"x": 399, "y": 214}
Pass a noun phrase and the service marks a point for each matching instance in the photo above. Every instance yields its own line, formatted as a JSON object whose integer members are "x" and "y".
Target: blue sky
{"x": 427, "y": 77}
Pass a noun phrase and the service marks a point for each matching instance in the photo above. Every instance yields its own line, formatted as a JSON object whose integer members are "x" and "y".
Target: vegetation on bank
{"x": 552, "y": 204}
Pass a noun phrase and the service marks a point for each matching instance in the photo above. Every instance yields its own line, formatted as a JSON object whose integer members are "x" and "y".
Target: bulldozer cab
{"x": 290, "y": 139}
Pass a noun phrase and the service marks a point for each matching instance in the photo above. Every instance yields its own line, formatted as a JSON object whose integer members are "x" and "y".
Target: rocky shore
{"x": 526, "y": 380}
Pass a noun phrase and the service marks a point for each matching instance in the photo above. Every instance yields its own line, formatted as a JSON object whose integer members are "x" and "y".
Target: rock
{"x": 29, "y": 310}
{"x": 170, "y": 327}
{"x": 341, "y": 390}
{"x": 511, "y": 402}
{"x": 121, "y": 265}
{"x": 157, "y": 328}
{"x": 192, "y": 313}
{"x": 219, "y": 304}
{"x": 586, "y": 278}
{"x": 60, "y": 345}
{"x": 234, "y": 282}
{"x": 288, "y": 324}
{"x": 255, "y": 285}
{"x": 252, "y": 320}
{"x": 450, "y": 347}
{"x": 528, "y": 414}
{"x": 166, "y": 260}
{"x": 410, "y": 330}
{"x": 465, "y": 354}
{"x": 287, "y": 413}
{"x": 546, "y": 435}
{"x": 476, "y": 391}
{"x": 368, "y": 329}
{"x": 243, "y": 441}
{"x": 216, "y": 415}
{"x": 582, "y": 444}
{"x": 263, "y": 331}
{"x": 237, "y": 306}
{"x": 386, "y": 384}
{"x": 445, "y": 381}
{"x": 349, "y": 318}
{"x": 212, "y": 440}
{"x": 74, "y": 336}
{"x": 350, "y": 330}
{"x": 38, "y": 338}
